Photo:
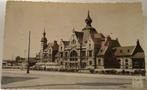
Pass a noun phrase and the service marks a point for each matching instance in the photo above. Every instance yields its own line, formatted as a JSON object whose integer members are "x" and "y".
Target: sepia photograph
{"x": 58, "y": 45}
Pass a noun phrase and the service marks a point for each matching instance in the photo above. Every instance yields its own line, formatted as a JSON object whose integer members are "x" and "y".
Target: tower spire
{"x": 44, "y": 39}
{"x": 44, "y": 33}
{"x": 88, "y": 20}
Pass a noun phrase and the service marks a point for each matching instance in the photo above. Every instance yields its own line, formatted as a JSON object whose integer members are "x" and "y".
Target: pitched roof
{"x": 66, "y": 43}
{"x": 79, "y": 35}
{"x": 114, "y": 43}
{"x": 102, "y": 50}
{"x": 124, "y": 51}
{"x": 97, "y": 38}
{"x": 139, "y": 55}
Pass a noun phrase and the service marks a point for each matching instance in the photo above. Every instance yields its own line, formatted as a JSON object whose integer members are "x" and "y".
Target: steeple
{"x": 138, "y": 43}
{"x": 44, "y": 33}
{"x": 44, "y": 40}
{"x": 88, "y": 20}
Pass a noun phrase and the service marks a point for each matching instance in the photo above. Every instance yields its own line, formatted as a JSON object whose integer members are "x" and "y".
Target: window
{"x": 128, "y": 50}
{"x": 73, "y": 41}
{"x": 83, "y": 53}
{"x": 89, "y": 45}
{"x": 119, "y": 61}
{"x": 90, "y": 53}
{"x": 73, "y": 55}
{"x": 120, "y": 51}
{"x": 99, "y": 61}
{"x": 90, "y": 62}
{"x": 61, "y": 48}
{"x": 101, "y": 50}
{"x": 61, "y": 54}
{"x": 66, "y": 54}
{"x": 126, "y": 60}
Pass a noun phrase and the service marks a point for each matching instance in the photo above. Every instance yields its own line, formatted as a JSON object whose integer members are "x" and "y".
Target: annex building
{"x": 89, "y": 49}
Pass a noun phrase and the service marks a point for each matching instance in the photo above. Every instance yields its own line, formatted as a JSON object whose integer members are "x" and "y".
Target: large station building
{"x": 89, "y": 49}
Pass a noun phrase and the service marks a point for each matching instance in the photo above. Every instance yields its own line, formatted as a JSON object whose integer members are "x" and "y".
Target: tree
{"x": 17, "y": 59}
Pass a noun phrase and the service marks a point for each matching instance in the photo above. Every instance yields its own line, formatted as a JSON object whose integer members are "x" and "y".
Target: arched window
{"x": 90, "y": 53}
{"x": 73, "y": 56}
{"x": 61, "y": 48}
{"x": 99, "y": 61}
{"x": 90, "y": 62}
{"x": 73, "y": 41}
{"x": 66, "y": 54}
{"x": 89, "y": 45}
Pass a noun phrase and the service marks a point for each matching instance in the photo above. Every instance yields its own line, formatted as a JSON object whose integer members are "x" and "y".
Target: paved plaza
{"x": 13, "y": 78}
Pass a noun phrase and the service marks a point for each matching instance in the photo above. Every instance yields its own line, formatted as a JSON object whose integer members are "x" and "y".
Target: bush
{"x": 92, "y": 71}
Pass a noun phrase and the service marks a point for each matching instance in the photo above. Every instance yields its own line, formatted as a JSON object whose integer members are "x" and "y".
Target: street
{"x": 15, "y": 78}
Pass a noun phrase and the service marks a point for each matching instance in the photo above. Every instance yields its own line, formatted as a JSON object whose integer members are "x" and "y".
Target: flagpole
{"x": 28, "y": 66}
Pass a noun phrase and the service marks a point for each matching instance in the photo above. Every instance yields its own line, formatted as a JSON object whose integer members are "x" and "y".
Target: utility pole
{"x": 28, "y": 64}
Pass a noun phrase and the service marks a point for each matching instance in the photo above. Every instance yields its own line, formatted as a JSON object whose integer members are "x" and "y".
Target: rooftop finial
{"x": 138, "y": 43}
{"x": 88, "y": 14}
{"x": 88, "y": 20}
{"x": 44, "y": 33}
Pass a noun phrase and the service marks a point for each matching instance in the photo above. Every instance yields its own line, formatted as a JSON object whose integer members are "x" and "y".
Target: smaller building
{"x": 130, "y": 57}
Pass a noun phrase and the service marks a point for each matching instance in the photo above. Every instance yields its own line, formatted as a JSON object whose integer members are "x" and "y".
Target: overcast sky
{"x": 123, "y": 20}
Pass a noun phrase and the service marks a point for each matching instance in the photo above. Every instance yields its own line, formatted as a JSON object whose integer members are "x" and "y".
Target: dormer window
{"x": 101, "y": 50}
{"x": 128, "y": 50}
{"x": 73, "y": 41}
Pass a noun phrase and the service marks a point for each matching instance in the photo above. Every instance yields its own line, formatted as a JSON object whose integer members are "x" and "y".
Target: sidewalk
{"x": 33, "y": 72}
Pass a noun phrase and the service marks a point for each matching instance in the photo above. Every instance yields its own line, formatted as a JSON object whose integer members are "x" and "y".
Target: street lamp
{"x": 28, "y": 65}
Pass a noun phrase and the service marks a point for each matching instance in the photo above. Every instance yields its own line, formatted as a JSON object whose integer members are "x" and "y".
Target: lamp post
{"x": 28, "y": 62}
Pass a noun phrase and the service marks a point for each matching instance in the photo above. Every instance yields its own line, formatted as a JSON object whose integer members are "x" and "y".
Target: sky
{"x": 119, "y": 20}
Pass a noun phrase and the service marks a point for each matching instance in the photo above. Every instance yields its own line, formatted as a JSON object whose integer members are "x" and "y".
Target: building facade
{"x": 89, "y": 49}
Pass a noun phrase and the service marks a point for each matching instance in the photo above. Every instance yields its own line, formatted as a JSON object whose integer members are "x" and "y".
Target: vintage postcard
{"x": 73, "y": 46}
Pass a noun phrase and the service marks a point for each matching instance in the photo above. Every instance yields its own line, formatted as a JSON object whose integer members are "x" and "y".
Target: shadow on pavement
{"x": 7, "y": 79}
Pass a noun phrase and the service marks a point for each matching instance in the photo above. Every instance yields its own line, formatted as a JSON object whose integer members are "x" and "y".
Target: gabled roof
{"x": 114, "y": 43}
{"x": 139, "y": 55}
{"x": 102, "y": 50}
{"x": 124, "y": 51}
{"x": 79, "y": 36}
{"x": 97, "y": 38}
{"x": 66, "y": 43}
{"x": 48, "y": 46}
{"x": 53, "y": 45}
